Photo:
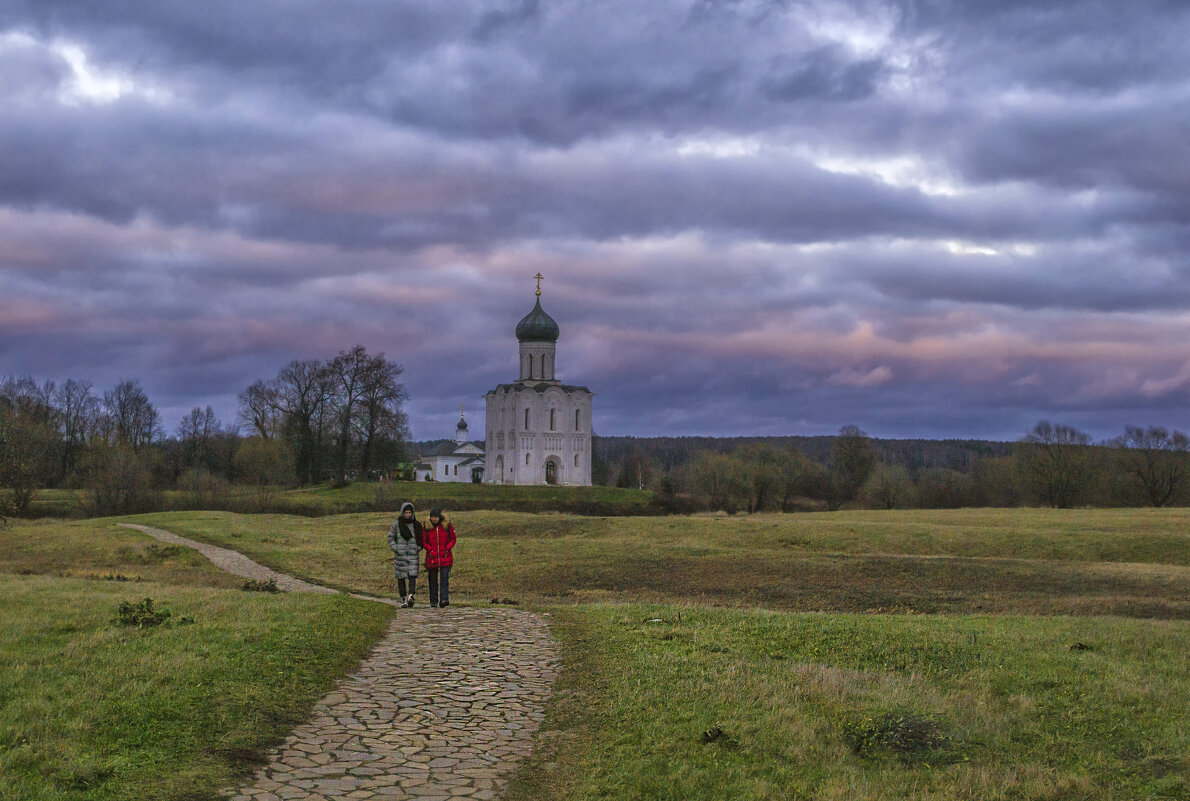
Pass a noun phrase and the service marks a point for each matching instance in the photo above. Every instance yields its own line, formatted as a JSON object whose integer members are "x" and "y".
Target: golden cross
{"x": 539, "y": 276}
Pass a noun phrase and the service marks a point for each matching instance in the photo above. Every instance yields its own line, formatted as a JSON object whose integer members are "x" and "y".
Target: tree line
{"x": 315, "y": 420}
{"x": 1052, "y": 465}
{"x": 343, "y": 418}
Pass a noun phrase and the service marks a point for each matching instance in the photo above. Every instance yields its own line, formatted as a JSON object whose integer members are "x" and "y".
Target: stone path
{"x": 442, "y": 709}
{"x": 233, "y": 562}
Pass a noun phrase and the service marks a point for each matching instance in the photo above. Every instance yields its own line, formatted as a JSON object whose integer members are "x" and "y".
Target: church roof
{"x": 537, "y": 326}
{"x": 537, "y": 386}
{"x": 447, "y": 448}
{"x": 462, "y": 424}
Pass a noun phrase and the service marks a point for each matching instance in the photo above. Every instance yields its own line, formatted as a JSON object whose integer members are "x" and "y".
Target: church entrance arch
{"x": 552, "y": 471}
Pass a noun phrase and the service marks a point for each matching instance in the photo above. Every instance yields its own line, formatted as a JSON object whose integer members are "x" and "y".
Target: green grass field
{"x": 967, "y": 654}
{"x": 768, "y": 705}
{"x": 93, "y": 710}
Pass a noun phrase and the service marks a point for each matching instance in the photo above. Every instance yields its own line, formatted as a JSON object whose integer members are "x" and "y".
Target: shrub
{"x": 142, "y": 615}
{"x": 907, "y": 735}
{"x": 201, "y": 489}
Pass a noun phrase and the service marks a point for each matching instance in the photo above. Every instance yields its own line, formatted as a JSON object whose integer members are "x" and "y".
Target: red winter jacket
{"x": 438, "y": 542}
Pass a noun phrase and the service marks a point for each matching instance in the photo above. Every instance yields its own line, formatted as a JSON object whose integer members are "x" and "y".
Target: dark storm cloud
{"x": 474, "y": 69}
{"x": 754, "y": 217}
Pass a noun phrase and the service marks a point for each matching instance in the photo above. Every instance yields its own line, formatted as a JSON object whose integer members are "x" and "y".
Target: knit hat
{"x": 436, "y": 512}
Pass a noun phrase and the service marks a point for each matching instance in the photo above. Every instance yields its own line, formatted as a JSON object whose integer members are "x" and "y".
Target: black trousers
{"x": 412, "y": 587}
{"x": 439, "y": 574}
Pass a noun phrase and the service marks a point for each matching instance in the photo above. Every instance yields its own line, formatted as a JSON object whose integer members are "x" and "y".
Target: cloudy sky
{"x": 927, "y": 218}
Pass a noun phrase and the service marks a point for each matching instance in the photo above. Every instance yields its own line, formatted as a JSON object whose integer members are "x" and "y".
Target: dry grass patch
{"x": 1002, "y": 561}
{"x": 98, "y": 549}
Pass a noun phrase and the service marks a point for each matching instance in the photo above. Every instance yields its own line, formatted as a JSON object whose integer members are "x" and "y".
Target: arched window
{"x": 577, "y": 412}
{"x": 446, "y": 470}
{"x": 456, "y": 469}
{"x": 576, "y": 460}
{"x": 530, "y": 365}
{"x": 552, "y": 427}
{"x": 526, "y": 460}
{"x": 526, "y": 419}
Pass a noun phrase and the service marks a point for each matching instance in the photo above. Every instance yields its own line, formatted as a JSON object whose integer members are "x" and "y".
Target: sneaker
{"x": 444, "y": 604}
{"x": 405, "y": 604}
{"x": 433, "y": 605}
{"x": 409, "y": 602}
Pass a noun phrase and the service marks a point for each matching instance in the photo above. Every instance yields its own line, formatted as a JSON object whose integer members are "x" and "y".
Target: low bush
{"x": 142, "y": 615}
{"x": 909, "y": 736}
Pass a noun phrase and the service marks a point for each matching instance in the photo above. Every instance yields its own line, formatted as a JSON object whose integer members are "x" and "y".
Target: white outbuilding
{"x": 458, "y": 460}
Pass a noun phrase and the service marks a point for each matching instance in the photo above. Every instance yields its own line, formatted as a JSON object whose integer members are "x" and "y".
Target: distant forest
{"x": 1052, "y": 465}
{"x": 671, "y": 453}
{"x": 343, "y": 419}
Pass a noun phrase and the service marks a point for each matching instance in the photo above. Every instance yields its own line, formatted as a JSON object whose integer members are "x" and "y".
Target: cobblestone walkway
{"x": 442, "y": 709}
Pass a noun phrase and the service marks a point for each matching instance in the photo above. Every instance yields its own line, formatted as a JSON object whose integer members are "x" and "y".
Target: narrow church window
{"x": 526, "y": 460}
{"x": 576, "y": 460}
{"x": 446, "y": 470}
{"x": 577, "y": 412}
{"x": 456, "y": 469}
{"x": 530, "y": 365}
{"x": 552, "y": 427}
{"x": 526, "y": 419}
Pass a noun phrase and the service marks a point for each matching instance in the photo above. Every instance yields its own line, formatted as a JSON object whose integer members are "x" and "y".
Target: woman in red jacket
{"x": 439, "y": 541}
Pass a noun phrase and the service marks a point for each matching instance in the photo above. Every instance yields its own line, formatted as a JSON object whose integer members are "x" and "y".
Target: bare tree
{"x": 763, "y": 464}
{"x": 793, "y": 474}
{"x": 29, "y": 440}
{"x": 889, "y": 487}
{"x": 134, "y": 419}
{"x": 717, "y": 480}
{"x": 852, "y": 462}
{"x": 381, "y": 416}
{"x": 1056, "y": 461}
{"x": 299, "y": 394}
{"x": 33, "y": 402}
{"x": 1158, "y": 459}
{"x": 78, "y": 410}
{"x": 260, "y": 410}
{"x": 22, "y": 452}
{"x": 197, "y": 433}
{"x": 349, "y": 376}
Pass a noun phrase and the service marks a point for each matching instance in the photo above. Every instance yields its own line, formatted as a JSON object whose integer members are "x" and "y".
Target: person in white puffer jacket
{"x": 405, "y": 538}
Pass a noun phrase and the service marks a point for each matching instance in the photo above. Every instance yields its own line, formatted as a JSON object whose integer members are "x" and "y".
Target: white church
{"x": 459, "y": 460}
{"x": 538, "y": 429}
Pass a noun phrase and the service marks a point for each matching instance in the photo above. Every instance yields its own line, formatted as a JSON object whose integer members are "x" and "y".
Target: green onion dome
{"x": 537, "y": 326}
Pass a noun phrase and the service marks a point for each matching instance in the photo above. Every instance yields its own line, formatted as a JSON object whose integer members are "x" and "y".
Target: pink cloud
{"x": 862, "y": 378}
